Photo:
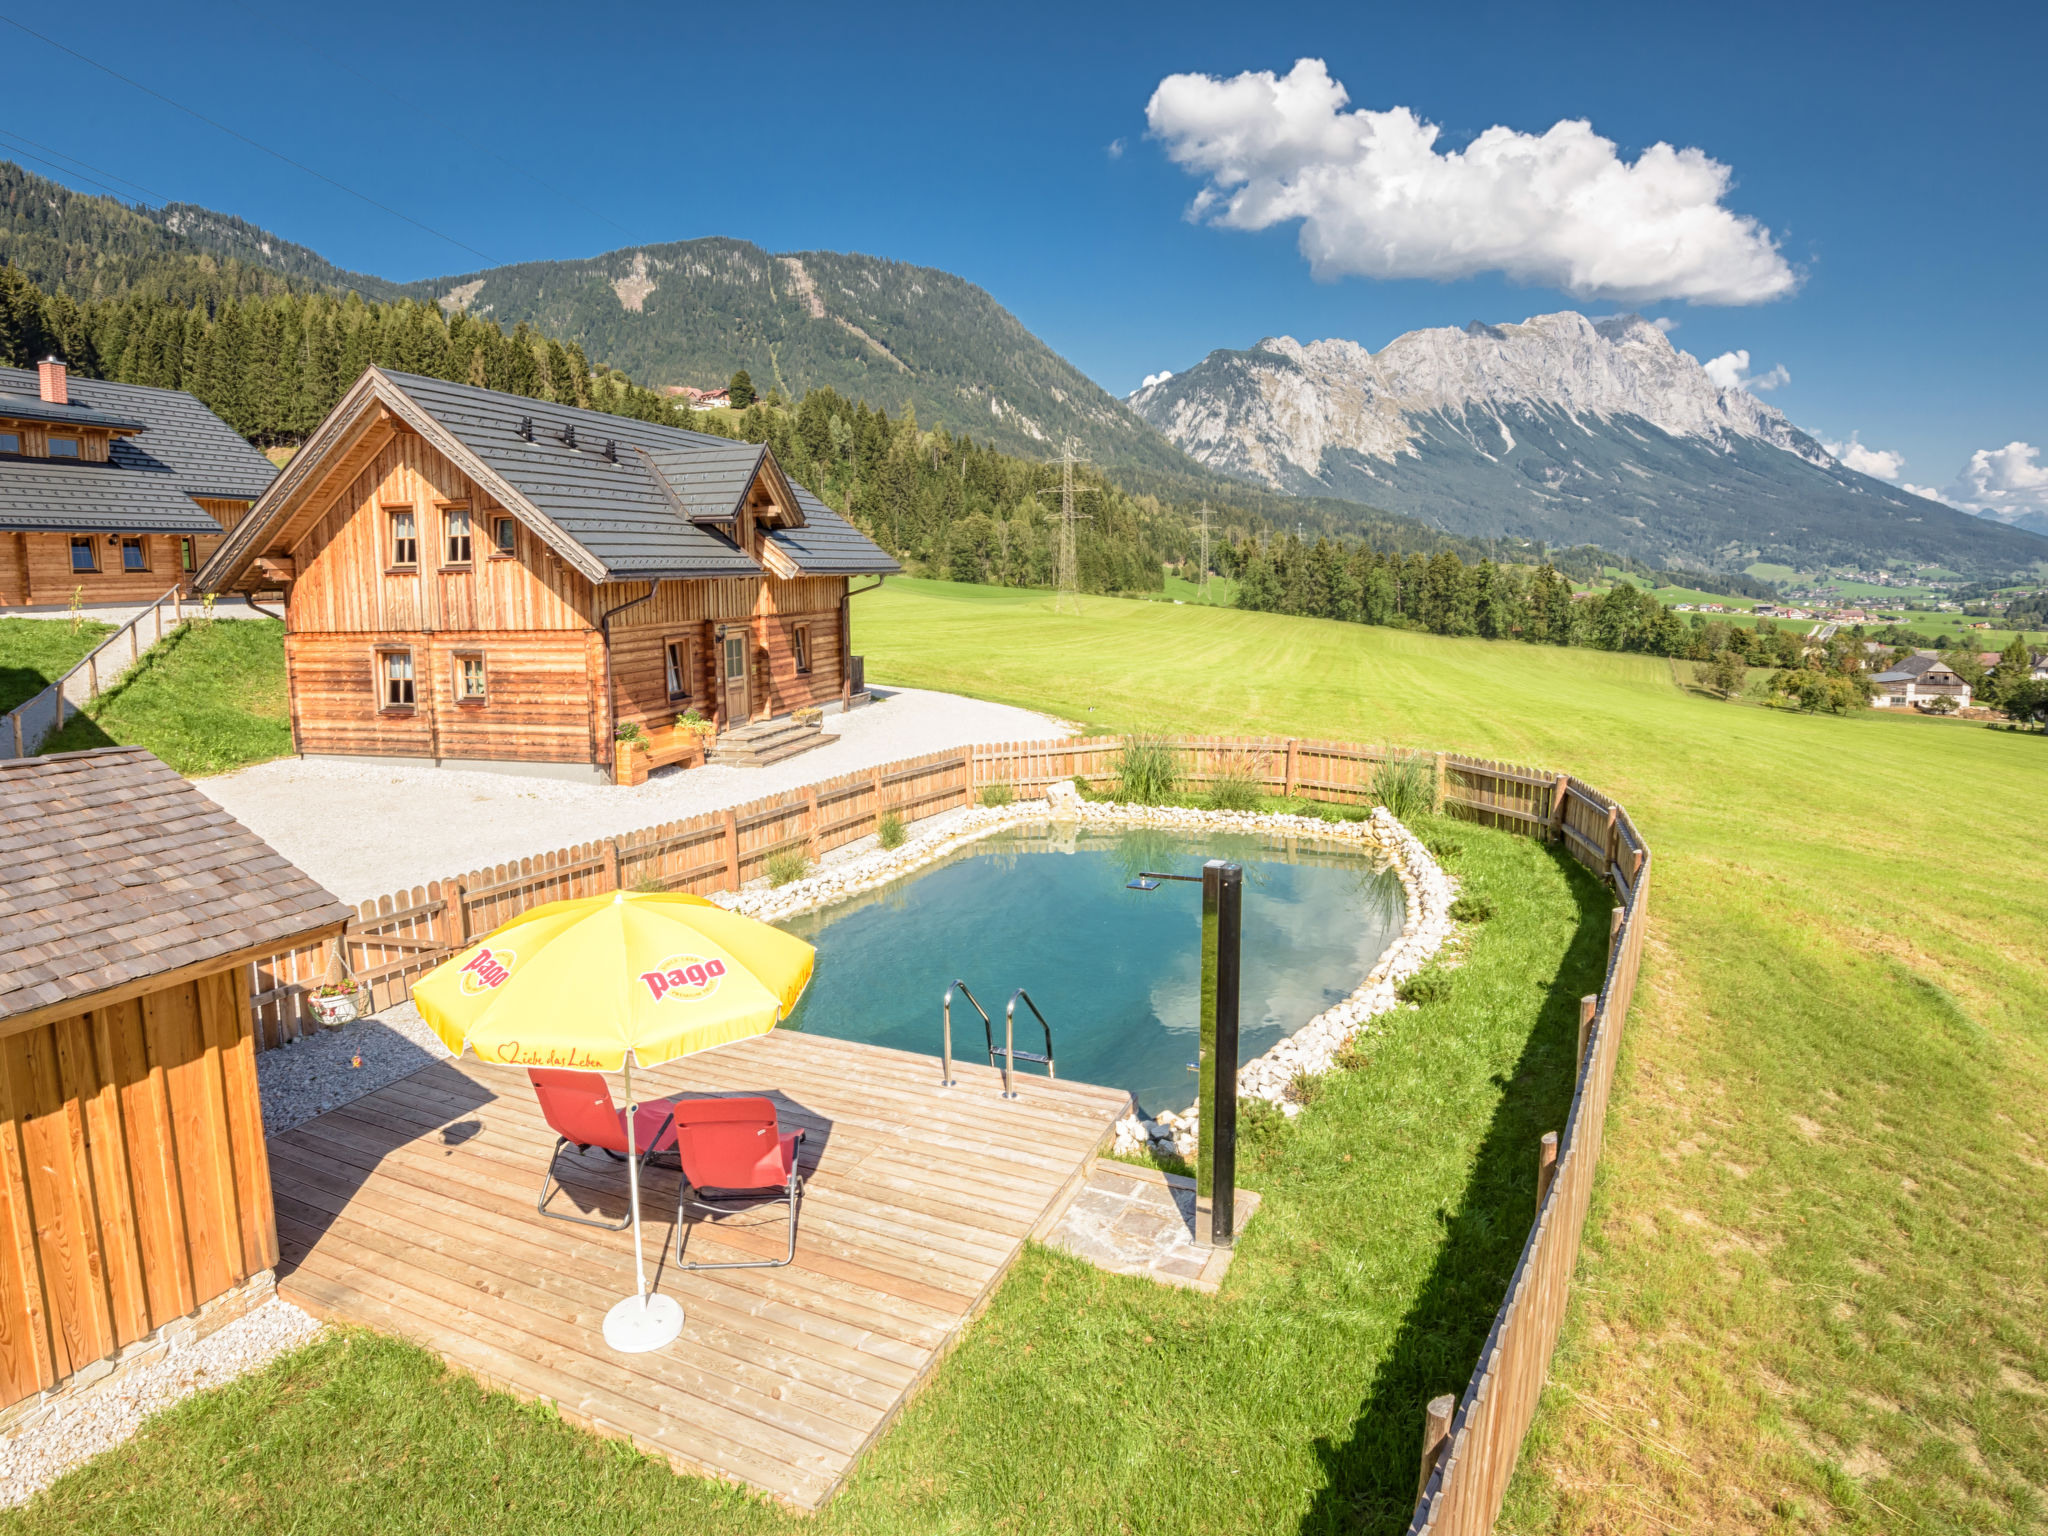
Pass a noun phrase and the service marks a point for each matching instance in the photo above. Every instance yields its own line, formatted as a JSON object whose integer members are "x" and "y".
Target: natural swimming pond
{"x": 1115, "y": 971}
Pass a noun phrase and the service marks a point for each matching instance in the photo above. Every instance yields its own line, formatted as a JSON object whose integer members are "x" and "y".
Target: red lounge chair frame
{"x": 737, "y": 1148}
{"x": 578, "y": 1108}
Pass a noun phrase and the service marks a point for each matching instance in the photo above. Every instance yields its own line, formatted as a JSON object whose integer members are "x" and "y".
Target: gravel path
{"x": 80, "y": 1428}
{"x": 364, "y": 828}
{"x": 313, "y": 1075}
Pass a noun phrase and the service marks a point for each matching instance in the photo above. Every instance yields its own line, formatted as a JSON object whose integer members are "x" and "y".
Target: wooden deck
{"x": 411, "y": 1210}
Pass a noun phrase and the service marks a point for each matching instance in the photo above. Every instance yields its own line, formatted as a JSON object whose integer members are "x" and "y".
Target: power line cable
{"x": 252, "y": 143}
{"x": 414, "y": 106}
{"x": 22, "y": 138}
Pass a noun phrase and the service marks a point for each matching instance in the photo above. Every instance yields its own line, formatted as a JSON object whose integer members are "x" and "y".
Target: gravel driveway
{"x": 364, "y": 828}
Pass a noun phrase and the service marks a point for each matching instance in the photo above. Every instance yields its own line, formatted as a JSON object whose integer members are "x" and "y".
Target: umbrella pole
{"x": 639, "y": 1322}
{"x": 633, "y": 1179}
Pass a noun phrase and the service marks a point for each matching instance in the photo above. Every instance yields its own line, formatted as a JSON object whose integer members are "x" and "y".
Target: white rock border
{"x": 1310, "y": 1051}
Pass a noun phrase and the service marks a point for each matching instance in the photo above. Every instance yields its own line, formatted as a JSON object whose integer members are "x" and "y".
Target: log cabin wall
{"x": 35, "y": 568}
{"x": 347, "y": 582}
{"x": 134, "y": 1187}
{"x": 543, "y": 695}
{"x": 813, "y": 604}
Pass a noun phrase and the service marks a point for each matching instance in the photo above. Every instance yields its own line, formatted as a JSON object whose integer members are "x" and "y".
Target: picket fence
{"x": 25, "y": 728}
{"x": 396, "y": 938}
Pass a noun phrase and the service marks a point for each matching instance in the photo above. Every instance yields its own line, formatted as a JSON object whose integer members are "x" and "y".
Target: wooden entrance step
{"x": 765, "y": 742}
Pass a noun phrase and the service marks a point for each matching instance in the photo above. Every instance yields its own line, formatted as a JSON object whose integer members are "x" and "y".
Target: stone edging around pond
{"x": 1310, "y": 1050}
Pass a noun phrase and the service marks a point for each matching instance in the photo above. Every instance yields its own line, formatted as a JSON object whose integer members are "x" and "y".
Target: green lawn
{"x": 208, "y": 699}
{"x": 34, "y": 653}
{"x": 1813, "y": 1292}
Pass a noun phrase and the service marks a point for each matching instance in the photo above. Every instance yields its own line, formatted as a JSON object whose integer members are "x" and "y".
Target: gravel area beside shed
{"x": 365, "y": 828}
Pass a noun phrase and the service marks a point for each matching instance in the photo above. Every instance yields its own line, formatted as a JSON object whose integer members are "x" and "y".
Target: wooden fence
{"x": 398, "y": 937}
{"x": 25, "y": 728}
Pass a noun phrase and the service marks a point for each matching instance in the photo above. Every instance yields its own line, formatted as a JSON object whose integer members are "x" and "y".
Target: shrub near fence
{"x": 396, "y": 938}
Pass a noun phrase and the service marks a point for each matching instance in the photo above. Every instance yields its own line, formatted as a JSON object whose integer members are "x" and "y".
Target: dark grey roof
{"x": 36, "y": 408}
{"x": 202, "y": 455}
{"x": 828, "y": 545}
{"x": 617, "y": 509}
{"x": 640, "y": 513}
{"x": 62, "y": 496}
{"x": 118, "y": 869}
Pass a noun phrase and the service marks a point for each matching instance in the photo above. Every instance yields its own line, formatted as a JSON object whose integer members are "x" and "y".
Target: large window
{"x": 395, "y": 679}
{"x": 134, "y": 555}
{"x": 681, "y": 666}
{"x": 405, "y": 537}
{"x": 63, "y": 447}
{"x": 455, "y": 547}
{"x": 85, "y": 555}
{"x": 469, "y": 677}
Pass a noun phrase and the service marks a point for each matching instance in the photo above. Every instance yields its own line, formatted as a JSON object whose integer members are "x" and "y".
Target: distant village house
{"x": 1918, "y": 681}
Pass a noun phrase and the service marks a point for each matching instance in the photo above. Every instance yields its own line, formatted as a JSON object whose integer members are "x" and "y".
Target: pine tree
{"x": 740, "y": 392}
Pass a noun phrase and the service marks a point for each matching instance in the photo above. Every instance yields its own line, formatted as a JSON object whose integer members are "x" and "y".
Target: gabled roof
{"x": 618, "y": 499}
{"x": 827, "y": 544}
{"x": 181, "y": 439}
{"x": 72, "y": 496}
{"x": 19, "y": 407}
{"x": 119, "y": 870}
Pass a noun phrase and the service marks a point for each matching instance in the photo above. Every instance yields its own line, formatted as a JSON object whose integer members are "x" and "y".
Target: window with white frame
{"x": 469, "y": 677}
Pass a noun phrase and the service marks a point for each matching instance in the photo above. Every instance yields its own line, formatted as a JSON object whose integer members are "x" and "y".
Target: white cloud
{"x": 1376, "y": 198}
{"x": 1922, "y": 490}
{"x": 1731, "y": 371}
{"x": 1116, "y": 149}
{"x": 1884, "y": 463}
{"x": 1154, "y": 378}
{"x": 1666, "y": 324}
{"x": 2002, "y": 482}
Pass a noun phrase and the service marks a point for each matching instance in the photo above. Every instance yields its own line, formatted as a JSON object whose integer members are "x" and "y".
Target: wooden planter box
{"x": 667, "y": 746}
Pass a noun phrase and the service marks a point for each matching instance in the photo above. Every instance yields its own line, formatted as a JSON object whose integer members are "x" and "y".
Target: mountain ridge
{"x": 1562, "y": 428}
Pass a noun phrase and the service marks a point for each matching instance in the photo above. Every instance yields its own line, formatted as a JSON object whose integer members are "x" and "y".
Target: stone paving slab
{"x": 1140, "y": 1221}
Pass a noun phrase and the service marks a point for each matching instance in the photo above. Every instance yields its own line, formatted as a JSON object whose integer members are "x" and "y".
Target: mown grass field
{"x": 34, "y": 653}
{"x": 208, "y": 699}
{"x": 1816, "y": 1288}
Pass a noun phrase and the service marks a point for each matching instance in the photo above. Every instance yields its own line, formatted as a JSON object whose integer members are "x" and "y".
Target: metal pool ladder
{"x": 1009, "y": 1054}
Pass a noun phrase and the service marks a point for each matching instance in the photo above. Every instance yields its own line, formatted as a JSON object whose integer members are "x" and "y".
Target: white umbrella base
{"x": 641, "y": 1323}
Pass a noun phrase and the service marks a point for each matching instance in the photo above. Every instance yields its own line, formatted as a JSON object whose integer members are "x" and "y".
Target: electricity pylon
{"x": 1066, "y": 596}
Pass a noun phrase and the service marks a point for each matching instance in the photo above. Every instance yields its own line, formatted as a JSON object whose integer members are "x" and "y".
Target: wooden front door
{"x": 738, "y": 707}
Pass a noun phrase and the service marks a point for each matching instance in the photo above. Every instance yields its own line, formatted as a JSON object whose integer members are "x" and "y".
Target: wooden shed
{"x": 134, "y": 1187}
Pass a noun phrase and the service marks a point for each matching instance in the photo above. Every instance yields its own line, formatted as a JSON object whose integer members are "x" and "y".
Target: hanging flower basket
{"x": 335, "y": 1006}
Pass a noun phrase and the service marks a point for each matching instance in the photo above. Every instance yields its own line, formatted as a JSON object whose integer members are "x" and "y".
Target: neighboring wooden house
{"x": 114, "y": 491}
{"x": 485, "y": 580}
{"x": 1918, "y": 681}
{"x": 134, "y": 1187}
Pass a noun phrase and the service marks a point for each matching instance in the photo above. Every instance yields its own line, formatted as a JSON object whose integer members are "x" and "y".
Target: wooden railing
{"x": 25, "y": 728}
{"x": 398, "y": 937}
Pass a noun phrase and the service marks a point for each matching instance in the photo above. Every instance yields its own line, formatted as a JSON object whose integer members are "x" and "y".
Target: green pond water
{"x": 1115, "y": 971}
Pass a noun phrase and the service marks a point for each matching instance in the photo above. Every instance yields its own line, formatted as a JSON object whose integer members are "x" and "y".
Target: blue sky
{"x": 1893, "y": 152}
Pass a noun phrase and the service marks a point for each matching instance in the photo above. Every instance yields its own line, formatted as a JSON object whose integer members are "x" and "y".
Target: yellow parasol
{"x": 608, "y": 983}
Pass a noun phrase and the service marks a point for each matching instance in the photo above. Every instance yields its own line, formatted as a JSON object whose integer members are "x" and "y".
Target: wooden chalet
{"x": 134, "y": 1185}
{"x": 115, "y": 492}
{"x": 480, "y": 579}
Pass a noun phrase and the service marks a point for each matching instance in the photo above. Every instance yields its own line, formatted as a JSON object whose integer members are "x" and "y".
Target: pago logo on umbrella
{"x": 487, "y": 970}
{"x": 684, "y": 976}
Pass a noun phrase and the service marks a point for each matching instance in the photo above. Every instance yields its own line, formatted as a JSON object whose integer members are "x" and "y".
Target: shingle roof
{"x": 201, "y": 454}
{"x": 63, "y": 495}
{"x": 114, "y": 869}
{"x": 828, "y": 545}
{"x": 35, "y": 408}
{"x": 621, "y": 512}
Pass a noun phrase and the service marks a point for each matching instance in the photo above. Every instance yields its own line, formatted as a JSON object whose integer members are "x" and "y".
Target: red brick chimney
{"x": 55, "y": 390}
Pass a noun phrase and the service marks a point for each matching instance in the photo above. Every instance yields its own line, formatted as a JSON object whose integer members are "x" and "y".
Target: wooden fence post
{"x": 811, "y": 820}
{"x": 1613, "y": 816}
{"x": 1588, "y": 1006}
{"x": 611, "y": 863}
{"x": 732, "y": 849}
{"x": 1613, "y": 935}
{"x": 1292, "y": 763}
{"x": 967, "y": 794}
{"x": 1436, "y": 1430}
{"x": 1440, "y": 784}
{"x": 1546, "y": 1166}
{"x": 1560, "y": 797}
